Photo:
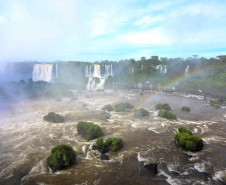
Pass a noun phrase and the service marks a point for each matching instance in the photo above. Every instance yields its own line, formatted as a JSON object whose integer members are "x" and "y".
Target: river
{"x": 26, "y": 140}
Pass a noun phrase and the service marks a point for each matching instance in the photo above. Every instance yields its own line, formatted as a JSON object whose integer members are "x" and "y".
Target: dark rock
{"x": 200, "y": 175}
{"x": 174, "y": 173}
{"x": 151, "y": 167}
{"x": 104, "y": 157}
{"x": 94, "y": 147}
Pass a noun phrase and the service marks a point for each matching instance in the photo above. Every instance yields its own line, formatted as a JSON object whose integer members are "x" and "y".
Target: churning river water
{"x": 26, "y": 141}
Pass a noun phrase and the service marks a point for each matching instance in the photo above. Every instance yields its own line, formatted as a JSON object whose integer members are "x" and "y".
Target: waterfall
{"x": 161, "y": 68}
{"x": 165, "y": 70}
{"x": 132, "y": 69}
{"x": 187, "y": 72}
{"x": 100, "y": 86}
{"x": 93, "y": 84}
{"x": 108, "y": 71}
{"x": 97, "y": 71}
{"x": 88, "y": 86}
{"x": 111, "y": 70}
{"x": 42, "y": 72}
{"x": 102, "y": 72}
{"x": 56, "y": 70}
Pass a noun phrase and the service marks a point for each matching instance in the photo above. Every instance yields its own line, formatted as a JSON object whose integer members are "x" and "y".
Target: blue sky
{"x": 93, "y": 30}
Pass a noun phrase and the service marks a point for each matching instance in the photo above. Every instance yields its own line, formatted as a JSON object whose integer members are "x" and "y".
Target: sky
{"x": 96, "y": 30}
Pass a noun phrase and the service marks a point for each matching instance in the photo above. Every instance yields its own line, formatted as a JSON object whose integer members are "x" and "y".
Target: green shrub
{"x": 166, "y": 114}
{"x": 140, "y": 112}
{"x": 186, "y": 139}
{"x": 117, "y": 144}
{"x": 100, "y": 143}
{"x": 163, "y": 106}
{"x": 121, "y": 107}
{"x": 89, "y": 130}
{"x": 54, "y": 118}
{"x": 108, "y": 141}
{"x": 184, "y": 130}
{"x": 215, "y": 103}
{"x": 128, "y": 105}
{"x": 62, "y": 156}
{"x": 108, "y": 108}
{"x": 185, "y": 108}
{"x": 111, "y": 144}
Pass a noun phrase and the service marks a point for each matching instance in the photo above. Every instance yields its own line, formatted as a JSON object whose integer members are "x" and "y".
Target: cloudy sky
{"x": 92, "y": 30}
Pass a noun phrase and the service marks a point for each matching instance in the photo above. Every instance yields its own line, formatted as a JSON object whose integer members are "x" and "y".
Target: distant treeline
{"x": 206, "y": 75}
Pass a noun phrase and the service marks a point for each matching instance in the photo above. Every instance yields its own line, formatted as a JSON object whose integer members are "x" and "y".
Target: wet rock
{"x": 174, "y": 173}
{"x": 94, "y": 147}
{"x": 105, "y": 115}
{"x": 94, "y": 154}
{"x": 151, "y": 167}
{"x": 201, "y": 175}
{"x": 104, "y": 157}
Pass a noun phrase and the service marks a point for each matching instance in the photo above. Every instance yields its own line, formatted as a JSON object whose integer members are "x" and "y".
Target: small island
{"x": 166, "y": 114}
{"x": 163, "y": 106}
{"x": 89, "y": 130}
{"x": 63, "y": 156}
{"x": 122, "y": 107}
{"x": 54, "y": 118}
{"x": 185, "y": 109}
{"x": 187, "y": 140}
{"x": 108, "y": 108}
{"x": 141, "y": 112}
{"x": 111, "y": 144}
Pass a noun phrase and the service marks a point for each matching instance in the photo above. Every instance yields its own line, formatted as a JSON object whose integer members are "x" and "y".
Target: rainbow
{"x": 171, "y": 83}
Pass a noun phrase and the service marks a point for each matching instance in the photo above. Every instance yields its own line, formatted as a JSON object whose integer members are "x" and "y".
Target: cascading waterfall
{"x": 42, "y": 72}
{"x": 102, "y": 72}
{"x": 132, "y": 69}
{"x": 97, "y": 71}
{"x": 187, "y": 72}
{"x": 89, "y": 85}
{"x": 100, "y": 86}
{"x": 165, "y": 70}
{"x": 56, "y": 70}
{"x": 161, "y": 68}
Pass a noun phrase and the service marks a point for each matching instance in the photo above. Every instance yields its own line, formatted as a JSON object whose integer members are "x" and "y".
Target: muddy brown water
{"x": 26, "y": 141}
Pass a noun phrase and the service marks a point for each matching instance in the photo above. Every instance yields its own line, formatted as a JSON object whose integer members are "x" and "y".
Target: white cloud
{"x": 56, "y": 29}
{"x": 3, "y": 20}
{"x": 148, "y": 20}
{"x": 154, "y": 36}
